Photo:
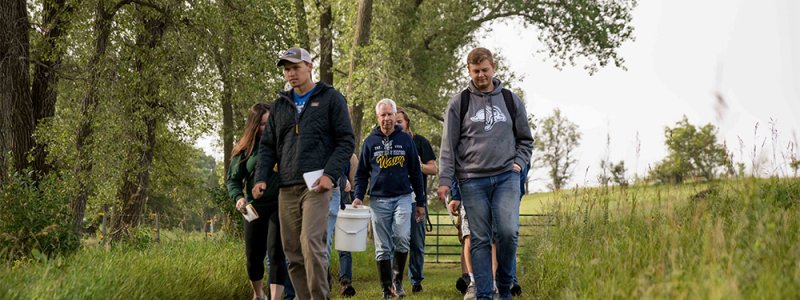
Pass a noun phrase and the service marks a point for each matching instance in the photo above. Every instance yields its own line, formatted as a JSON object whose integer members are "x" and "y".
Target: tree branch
{"x": 151, "y": 5}
{"x": 424, "y": 110}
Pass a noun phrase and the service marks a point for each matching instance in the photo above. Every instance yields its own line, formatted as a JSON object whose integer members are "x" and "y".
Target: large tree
{"x": 555, "y": 142}
{"x": 26, "y": 101}
{"x": 693, "y": 151}
{"x": 415, "y": 50}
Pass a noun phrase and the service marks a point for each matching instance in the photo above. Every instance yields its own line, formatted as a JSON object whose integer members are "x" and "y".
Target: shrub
{"x": 34, "y": 218}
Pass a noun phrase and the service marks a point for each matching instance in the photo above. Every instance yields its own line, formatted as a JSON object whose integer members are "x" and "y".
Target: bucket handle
{"x": 352, "y": 231}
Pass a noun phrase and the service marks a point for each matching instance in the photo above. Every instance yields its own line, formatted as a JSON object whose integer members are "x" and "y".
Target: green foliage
{"x": 34, "y": 219}
{"x": 693, "y": 152}
{"x": 180, "y": 192}
{"x": 416, "y": 53}
{"x": 784, "y": 193}
{"x": 618, "y": 174}
{"x": 233, "y": 224}
{"x": 555, "y": 142}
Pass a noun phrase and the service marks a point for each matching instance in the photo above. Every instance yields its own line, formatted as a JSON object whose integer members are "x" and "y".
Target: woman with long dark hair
{"x": 262, "y": 235}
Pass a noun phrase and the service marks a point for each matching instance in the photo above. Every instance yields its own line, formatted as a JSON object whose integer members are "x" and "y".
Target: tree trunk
{"x": 302, "y": 25}
{"x": 222, "y": 58}
{"x": 45, "y": 79}
{"x": 134, "y": 193}
{"x": 83, "y": 166}
{"x": 326, "y": 43}
{"x": 15, "y": 91}
{"x": 227, "y": 122}
{"x": 363, "y": 22}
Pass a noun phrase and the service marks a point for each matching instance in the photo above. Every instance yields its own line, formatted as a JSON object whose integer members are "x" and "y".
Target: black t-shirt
{"x": 425, "y": 152}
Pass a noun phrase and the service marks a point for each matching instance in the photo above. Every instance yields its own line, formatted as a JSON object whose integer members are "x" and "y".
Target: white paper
{"x": 251, "y": 213}
{"x": 447, "y": 208}
{"x": 311, "y": 178}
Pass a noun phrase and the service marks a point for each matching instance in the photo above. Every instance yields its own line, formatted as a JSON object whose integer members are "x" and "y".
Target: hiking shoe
{"x": 516, "y": 290}
{"x": 416, "y": 288}
{"x": 347, "y": 290}
{"x": 398, "y": 290}
{"x": 470, "y": 294}
{"x": 461, "y": 285}
{"x": 388, "y": 294}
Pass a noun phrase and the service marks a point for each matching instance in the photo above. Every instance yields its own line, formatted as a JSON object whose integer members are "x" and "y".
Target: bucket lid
{"x": 352, "y": 212}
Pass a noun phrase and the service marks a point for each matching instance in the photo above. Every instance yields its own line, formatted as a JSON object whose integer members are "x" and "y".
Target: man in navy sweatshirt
{"x": 390, "y": 164}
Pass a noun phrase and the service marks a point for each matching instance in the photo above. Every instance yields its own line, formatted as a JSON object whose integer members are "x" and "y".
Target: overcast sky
{"x": 684, "y": 51}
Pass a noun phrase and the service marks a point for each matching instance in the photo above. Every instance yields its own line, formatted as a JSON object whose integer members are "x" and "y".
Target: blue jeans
{"x": 391, "y": 224}
{"x": 492, "y": 200}
{"x": 416, "y": 256}
{"x": 345, "y": 259}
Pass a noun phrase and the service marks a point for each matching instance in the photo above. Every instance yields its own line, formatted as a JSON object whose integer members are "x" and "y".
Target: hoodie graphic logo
{"x": 387, "y": 146}
{"x": 490, "y": 115}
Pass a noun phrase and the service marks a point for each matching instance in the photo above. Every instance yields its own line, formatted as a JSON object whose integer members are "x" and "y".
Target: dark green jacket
{"x": 241, "y": 173}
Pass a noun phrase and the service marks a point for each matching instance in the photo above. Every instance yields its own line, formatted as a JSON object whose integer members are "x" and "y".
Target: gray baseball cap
{"x": 294, "y": 55}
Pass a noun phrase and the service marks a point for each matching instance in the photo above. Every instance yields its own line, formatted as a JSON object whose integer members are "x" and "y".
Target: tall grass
{"x": 188, "y": 268}
{"x": 721, "y": 240}
{"x": 731, "y": 240}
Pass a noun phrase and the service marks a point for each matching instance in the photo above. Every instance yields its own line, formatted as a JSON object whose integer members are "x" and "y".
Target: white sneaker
{"x": 470, "y": 294}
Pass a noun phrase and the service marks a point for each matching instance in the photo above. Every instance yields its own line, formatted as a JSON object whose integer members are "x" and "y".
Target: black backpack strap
{"x": 512, "y": 109}
{"x": 464, "y": 104}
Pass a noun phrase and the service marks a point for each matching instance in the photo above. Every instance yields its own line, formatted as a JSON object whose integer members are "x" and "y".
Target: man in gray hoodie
{"x": 485, "y": 143}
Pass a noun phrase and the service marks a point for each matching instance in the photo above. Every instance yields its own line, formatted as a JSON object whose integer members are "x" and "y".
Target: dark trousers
{"x": 262, "y": 237}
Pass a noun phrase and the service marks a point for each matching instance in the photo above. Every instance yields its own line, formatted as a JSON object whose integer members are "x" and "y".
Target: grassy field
{"x": 724, "y": 240}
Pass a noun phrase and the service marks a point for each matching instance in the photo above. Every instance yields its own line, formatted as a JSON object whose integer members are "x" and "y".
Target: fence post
{"x": 438, "y": 250}
{"x": 158, "y": 230}
{"x": 105, "y": 212}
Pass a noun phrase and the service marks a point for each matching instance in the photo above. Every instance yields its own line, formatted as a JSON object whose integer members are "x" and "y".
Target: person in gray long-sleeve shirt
{"x": 485, "y": 143}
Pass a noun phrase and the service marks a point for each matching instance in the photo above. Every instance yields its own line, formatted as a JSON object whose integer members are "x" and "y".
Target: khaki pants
{"x": 304, "y": 220}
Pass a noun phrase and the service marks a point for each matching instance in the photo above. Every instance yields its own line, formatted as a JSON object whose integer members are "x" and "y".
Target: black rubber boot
{"x": 385, "y": 271}
{"x": 398, "y": 268}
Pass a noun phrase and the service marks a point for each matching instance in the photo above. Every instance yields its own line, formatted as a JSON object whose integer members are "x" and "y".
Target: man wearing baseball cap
{"x": 309, "y": 130}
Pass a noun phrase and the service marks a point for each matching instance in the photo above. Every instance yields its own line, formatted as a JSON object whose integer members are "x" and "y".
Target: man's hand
{"x": 240, "y": 205}
{"x": 357, "y": 203}
{"x": 258, "y": 189}
{"x": 453, "y": 207}
{"x": 420, "y": 213}
{"x": 347, "y": 186}
{"x": 516, "y": 168}
{"x": 323, "y": 184}
{"x": 443, "y": 191}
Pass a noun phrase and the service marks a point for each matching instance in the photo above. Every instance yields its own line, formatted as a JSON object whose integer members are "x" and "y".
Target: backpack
{"x": 508, "y": 98}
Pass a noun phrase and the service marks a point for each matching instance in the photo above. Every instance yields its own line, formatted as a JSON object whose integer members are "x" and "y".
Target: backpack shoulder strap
{"x": 508, "y": 98}
{"x": 464, "y": 104}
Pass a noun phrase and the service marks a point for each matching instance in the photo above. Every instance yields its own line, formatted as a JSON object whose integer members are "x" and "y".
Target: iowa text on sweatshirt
{"x": 391, "y": 165}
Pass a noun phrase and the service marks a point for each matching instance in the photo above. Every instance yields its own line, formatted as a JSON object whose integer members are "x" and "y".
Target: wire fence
{"x": 442, "y": 245}
{"x": 151, "y": 222}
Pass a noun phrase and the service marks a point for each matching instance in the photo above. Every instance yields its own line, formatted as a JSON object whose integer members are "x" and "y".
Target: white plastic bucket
{"x": 351, "y": 229}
